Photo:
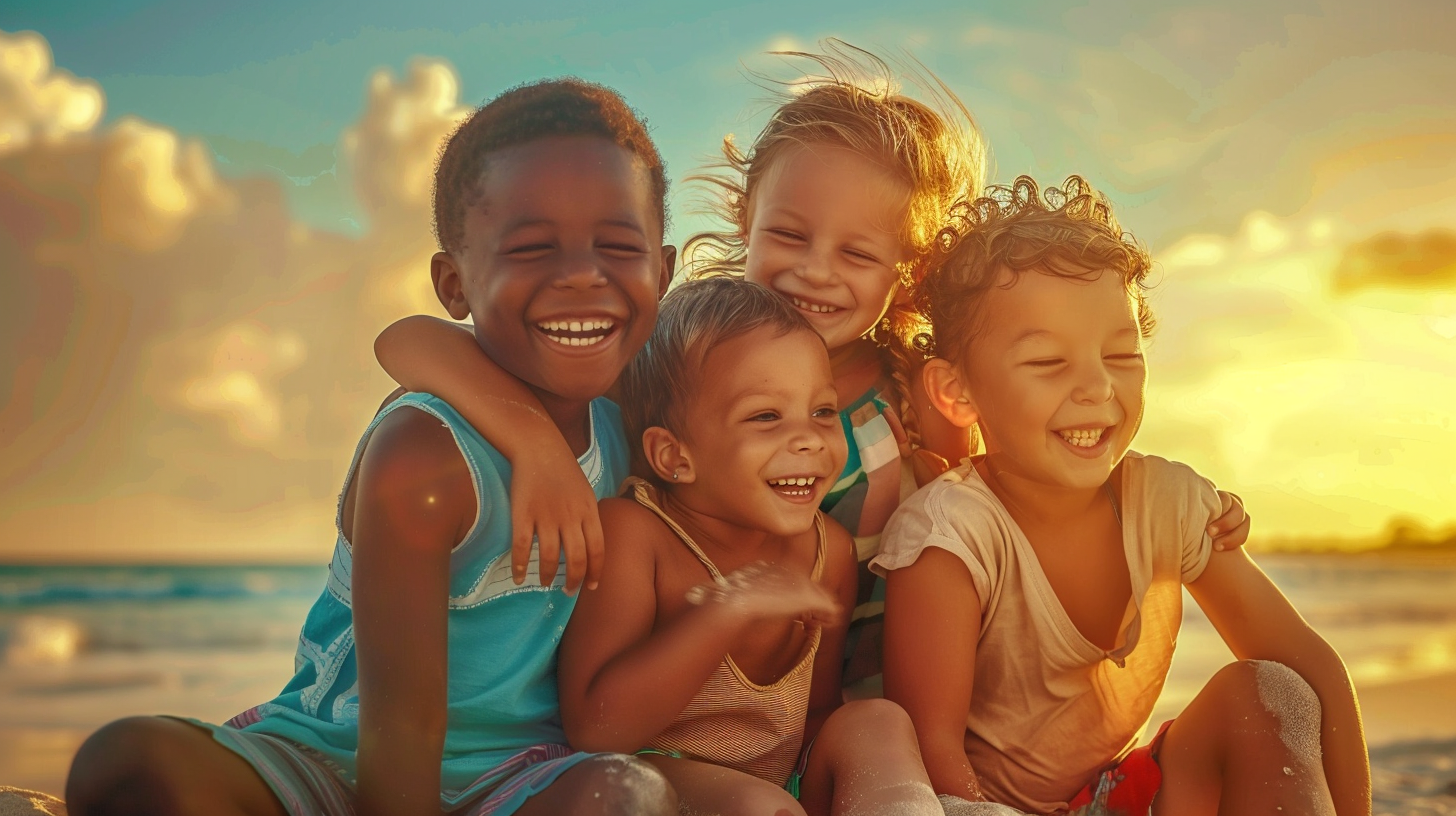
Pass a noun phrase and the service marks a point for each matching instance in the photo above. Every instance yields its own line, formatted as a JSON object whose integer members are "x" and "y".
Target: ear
{"x": 667, "y": 456}
{"x": 947, "y": 391}
{"x": 669, "y": 265}
{"x": 449, "y": 287}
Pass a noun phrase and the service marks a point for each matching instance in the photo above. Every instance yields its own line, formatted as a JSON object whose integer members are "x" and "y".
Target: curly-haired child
{"x": 1035, "y": 593}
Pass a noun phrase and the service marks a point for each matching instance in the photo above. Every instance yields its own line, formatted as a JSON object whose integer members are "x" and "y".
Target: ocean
{"x": 83, "y": 645}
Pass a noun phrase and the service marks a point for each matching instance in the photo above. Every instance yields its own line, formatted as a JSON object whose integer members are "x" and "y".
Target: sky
{"x": 207, "y": 214}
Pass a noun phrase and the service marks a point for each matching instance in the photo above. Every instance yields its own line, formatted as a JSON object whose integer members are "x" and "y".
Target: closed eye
{"x": 1047, "y": 362}
{"x": 861, "y": 255}
{"x": 764, "y": 416}
{"x": 787, "y": 235}
{"x": 1125, "y": 358}
{"x": 526, "y": 249}
{"x": 623, "y": 249}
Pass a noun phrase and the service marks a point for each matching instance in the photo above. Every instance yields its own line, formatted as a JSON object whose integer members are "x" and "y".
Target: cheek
{"x": 874, "y": 287}
{"x": 759, "y": 263}
{"x": 1132, "y": 386}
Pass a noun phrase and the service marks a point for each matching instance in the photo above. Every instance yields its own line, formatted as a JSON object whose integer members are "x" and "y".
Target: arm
{"x": 550, "y": 497}
{"x": 413, "y": 502}
{"x": 623, "y": 683}
{"x": 932, "y": 623}
{"x": 839, "y": 577}
{"x": 1258, "y": 623}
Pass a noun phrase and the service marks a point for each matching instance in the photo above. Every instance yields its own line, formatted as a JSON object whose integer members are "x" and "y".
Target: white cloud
{"x": 184, "y": 358}
{"x": 40, "y": 103}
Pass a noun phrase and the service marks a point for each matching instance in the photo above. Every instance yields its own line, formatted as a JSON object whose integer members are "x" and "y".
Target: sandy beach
{"x": 86, "y": 646}
{"x": 1411, "y": 727}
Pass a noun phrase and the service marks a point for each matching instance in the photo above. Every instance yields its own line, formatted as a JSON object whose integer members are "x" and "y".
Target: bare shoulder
{"x": 413, "y": 475}
{"x": 630, "y": 527}
{"x": 839, "y": 548}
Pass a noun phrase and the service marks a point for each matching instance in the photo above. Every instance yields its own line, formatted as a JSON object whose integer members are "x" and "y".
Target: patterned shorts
{"x": 307, "y": 783}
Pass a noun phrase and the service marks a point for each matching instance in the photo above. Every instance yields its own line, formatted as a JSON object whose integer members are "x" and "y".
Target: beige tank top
{"x": 733, "y": 721}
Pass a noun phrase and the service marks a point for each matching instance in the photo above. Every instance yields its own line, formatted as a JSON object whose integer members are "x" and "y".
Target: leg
{"x": 866, "y": 761}
{"x": 703, "y": 788}
{"x": 1248, "y": 743}
{"x": 608, "y": 785}
{"x": 153, "y": 765}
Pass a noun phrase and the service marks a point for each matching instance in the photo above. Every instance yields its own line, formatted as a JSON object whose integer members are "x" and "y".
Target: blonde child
{"x": 714, "y": 642}
{"x": 1034, "y": 593}
{"x": 835, "y": 208}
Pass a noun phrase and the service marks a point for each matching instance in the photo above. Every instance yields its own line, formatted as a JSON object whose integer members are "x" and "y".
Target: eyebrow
{"x": 1030, "y": 334}
{"x": 623, "y": 223}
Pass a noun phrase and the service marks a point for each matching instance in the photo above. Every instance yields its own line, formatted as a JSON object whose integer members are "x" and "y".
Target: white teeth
{"x": 797, "y": 481}
{"x": 813, "y": 307}
{"x": 575, "y": 341}
{"x": 575, "y": 326}
{"x": 1083, "y": 438}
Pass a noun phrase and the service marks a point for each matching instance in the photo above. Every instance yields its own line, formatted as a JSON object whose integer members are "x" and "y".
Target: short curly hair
{"x": 536, "y": 110}
{"x": 1067, "y": 231}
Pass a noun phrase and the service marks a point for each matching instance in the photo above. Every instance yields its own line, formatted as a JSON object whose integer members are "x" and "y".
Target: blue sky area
{"x": 1058, "y": 87}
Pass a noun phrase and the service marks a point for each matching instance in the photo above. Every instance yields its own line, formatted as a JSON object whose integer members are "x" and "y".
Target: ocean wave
{"x": 38, "y": 586}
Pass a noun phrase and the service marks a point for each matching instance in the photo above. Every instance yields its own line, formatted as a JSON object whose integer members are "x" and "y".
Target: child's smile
{"x": 576, "y": 331}
{"x": 1066, "y": 357}
{"x": 564, "y": 250}
{"x": 823, "y": 233}
{"x": 763, "y": 432}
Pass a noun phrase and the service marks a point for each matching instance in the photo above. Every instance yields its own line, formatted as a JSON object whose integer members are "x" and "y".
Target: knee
{"x": 1275, "y": 701}
{"x": 619, "y": 785}
{"x": 121, "y": 769}
{"x": 872, "y": 721}
{"x": 758, "y": 800}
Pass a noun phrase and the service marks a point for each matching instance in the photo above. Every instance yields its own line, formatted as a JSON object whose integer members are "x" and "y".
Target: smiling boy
{"x": 426, "y": 676}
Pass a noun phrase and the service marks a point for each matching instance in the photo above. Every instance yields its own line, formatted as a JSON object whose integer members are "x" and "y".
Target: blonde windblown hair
{"x": 850, "y": 100}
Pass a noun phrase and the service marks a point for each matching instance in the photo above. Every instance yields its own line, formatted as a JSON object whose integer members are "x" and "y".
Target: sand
{"x": 20, "y": 802}
{"x": 1410, "y": 725}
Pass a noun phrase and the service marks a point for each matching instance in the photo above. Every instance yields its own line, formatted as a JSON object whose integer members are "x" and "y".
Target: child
{"x": 425, "y": 680}
{"x": 714, "y": 637}
{"x": 1034, "y": 593}
{"x": 834, "y": 208}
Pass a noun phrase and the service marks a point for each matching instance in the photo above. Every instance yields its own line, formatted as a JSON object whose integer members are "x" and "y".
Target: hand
{"x": 762, "y": 590}
{"x": 1231, "y": 529}
{"x": 553, "y": 502}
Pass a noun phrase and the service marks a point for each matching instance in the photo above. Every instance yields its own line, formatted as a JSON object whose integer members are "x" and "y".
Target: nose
{"x": 815, "y": 268}
{"x": 1093, "y": 385}
{"x": 579, "y": 270}
{"x": 807, "y": 438}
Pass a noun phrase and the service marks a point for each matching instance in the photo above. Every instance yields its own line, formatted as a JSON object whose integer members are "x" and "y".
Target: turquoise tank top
{"x": 502, "y": 637}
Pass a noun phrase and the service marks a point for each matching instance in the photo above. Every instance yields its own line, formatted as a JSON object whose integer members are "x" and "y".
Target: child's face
{"x": 763, "y": 419}
{"x": 824, "y": 232}
{"x": 562, "y": 263}
{"x": 1057, "y": 376}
